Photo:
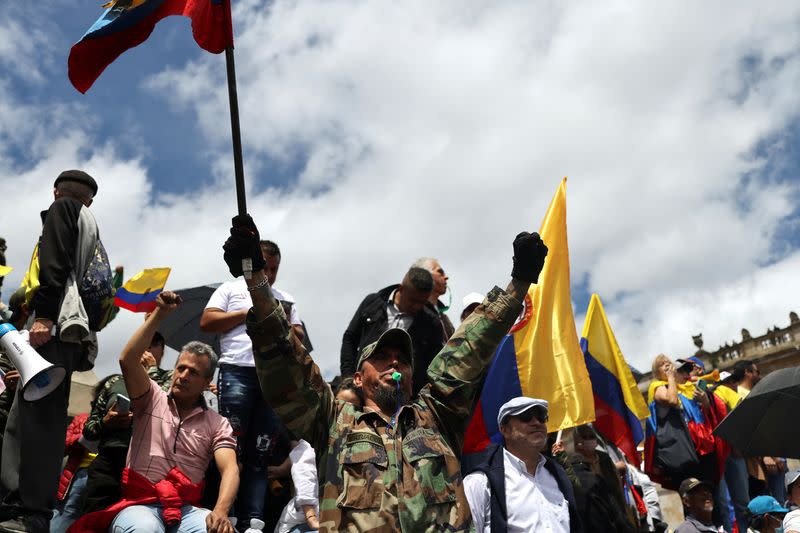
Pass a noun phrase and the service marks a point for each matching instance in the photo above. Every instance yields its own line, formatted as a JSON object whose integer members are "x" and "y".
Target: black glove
{"x": 242, "y": 244}
{"x": 529, "y": 254}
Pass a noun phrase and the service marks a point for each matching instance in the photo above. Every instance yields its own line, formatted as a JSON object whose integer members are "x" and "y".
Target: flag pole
{"x": 233, "y": 99}
{"x": 236, "y": 133}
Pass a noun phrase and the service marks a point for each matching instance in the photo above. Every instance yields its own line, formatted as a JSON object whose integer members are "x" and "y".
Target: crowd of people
{"x": 376, "y": 449}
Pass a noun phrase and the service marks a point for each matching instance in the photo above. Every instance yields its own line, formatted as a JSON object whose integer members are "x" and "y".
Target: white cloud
{"x": 444, "y": 128}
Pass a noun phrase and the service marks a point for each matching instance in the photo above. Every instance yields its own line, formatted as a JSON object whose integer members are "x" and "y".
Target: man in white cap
{"x": 517, "y": 488}
{"x": 470, "y": 302}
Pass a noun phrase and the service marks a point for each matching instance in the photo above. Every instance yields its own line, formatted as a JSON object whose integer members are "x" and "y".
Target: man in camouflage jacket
{"x": 383, "y": 468}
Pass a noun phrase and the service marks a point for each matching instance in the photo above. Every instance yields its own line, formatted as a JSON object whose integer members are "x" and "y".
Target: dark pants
{"x": 33, "y": 445}
{"x": 257, "y": 430}
{"x": 104, "y": 477}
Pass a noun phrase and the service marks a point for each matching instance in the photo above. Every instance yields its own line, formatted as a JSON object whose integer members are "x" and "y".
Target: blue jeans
{"x": 147, "y": 519}
{"x": 71, "y": 507}
{"x": 257, "y": 430}
{"x": 738, "y": 488}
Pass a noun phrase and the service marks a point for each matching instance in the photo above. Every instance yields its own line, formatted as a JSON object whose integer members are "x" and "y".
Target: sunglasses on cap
{"x": 527, "y": 416}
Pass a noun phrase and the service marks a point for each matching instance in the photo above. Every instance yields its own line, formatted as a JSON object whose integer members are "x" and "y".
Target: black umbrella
{"x": 183, "y": 324}
{"x": 763, "y": 423}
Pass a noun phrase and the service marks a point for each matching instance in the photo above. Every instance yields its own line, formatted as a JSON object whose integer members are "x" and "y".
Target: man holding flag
{"x": 393, "y": 465}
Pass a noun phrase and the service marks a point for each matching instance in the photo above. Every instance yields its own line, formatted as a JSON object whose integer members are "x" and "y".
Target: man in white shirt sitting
{"x": 257, "y": 429}
{"x": 516, "y": 488}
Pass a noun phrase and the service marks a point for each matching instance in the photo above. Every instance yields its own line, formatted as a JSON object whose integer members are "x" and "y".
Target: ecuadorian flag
{"x": 128, "y": 23}
{"x": 139, "y": 293}
{"x": 541, "y": 356}
{"x": 618, "y": 404}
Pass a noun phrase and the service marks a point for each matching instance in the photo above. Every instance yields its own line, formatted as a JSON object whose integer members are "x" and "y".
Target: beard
{"x": 386, "y": 397}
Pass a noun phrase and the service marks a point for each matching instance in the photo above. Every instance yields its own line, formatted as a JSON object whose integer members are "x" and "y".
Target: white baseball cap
{"x": 472, "y": 298}
{"x": 519, "y": 405}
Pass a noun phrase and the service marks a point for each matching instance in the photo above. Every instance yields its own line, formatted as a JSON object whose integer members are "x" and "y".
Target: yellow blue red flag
{"x": 139, "y": 293}
{"x": 618, "y": 403}
{"x": 541, "y": 357}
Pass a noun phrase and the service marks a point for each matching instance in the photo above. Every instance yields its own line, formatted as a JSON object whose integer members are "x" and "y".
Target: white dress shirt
{"x": 533, "y": 502}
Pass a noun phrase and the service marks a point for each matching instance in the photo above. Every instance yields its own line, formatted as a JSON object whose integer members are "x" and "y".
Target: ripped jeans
{"x": 257, "y": 430}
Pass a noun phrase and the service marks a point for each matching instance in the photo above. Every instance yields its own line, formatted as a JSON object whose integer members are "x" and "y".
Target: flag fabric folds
{"x": 541, "y": 357}
{"x": 128, "y": 23}
{"x": 618, "y": 404}
{"x": 139, "y": 293}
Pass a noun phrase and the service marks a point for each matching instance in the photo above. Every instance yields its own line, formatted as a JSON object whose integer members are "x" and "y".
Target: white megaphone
{"x": 38, "y": 376}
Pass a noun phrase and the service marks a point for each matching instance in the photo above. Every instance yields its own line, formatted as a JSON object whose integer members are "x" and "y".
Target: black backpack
{"x": 96, "y": 289}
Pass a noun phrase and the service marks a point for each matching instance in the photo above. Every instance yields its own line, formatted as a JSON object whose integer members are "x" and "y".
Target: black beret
{"x": 79, "y": 176}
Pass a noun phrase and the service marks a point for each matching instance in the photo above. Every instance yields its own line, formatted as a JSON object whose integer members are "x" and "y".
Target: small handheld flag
{"x": 5, "y": 270}
{"x": 139, "y": 293}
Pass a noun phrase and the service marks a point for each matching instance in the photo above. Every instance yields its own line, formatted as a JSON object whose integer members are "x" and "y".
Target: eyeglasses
{"x": 527, "y": 416}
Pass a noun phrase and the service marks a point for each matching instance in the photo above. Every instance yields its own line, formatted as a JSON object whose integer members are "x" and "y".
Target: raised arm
{"x": 457, "y": 372}
{"x": 290, "y": 381}
{"x": 137, "y": 381}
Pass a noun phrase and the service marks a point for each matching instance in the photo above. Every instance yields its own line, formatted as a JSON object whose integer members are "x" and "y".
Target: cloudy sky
{"x": 378, "y": 132}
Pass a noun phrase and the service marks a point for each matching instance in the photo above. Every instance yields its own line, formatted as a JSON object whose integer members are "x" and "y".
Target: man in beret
{"x": 393, "y": 464}
{"x": 68, "y": 287}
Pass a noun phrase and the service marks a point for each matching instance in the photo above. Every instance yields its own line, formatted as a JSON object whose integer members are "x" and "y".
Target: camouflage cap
{"x": 395, "y": 337}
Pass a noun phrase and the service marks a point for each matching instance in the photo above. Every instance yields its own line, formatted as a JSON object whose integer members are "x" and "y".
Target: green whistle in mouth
{"x": 396, "y": 376}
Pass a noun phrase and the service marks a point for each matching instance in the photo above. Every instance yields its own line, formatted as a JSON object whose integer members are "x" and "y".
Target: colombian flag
{"x": 128, "y": 23}
{"x": 139, "y": 293}
{"x": 618, "y": 404}
{"x": 541, "y": 356}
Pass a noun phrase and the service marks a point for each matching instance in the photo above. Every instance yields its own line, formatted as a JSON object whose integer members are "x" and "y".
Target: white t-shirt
{"x": 235, "y": 345}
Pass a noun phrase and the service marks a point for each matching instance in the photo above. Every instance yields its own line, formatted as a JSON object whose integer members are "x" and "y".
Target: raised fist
{"x": 244, "y": 243}
{"x": 529, "y": 254}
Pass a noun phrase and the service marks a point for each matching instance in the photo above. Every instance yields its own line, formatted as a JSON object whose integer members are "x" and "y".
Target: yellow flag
{"x": 5, "y": 270}
{"x": 549, "y": 357}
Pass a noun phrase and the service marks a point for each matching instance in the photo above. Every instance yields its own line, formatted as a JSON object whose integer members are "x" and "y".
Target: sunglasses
{"x": 527, "y": 416}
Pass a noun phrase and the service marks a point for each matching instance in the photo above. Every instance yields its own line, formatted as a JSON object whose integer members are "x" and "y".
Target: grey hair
{"x": 75, "y": 189}
{"x": 425, "y": 262}
{"x": 203, "y": 349}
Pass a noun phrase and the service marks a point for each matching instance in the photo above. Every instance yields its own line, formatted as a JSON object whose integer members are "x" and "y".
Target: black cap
{"x": 689, "y": 484}
{"x": 79, "y": 176}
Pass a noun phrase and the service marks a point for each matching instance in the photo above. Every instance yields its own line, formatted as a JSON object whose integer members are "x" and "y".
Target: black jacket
{"x": 598, "y": 502}
{"x": 370, "y": 320}
{"x": 494, "y": 469}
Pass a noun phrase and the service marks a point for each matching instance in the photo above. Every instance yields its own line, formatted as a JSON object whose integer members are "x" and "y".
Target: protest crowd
{"x": 253, "y": 438}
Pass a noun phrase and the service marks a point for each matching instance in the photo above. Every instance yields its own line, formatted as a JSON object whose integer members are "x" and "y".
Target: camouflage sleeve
{"x": 290, "y": 380}
{"x": 457, "y": 372}
{"x": 93, "y": 428}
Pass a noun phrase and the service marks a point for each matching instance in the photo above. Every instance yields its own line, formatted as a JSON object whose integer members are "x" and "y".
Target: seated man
{"x": 392, "y": 465}
{"x": 174, "y": 439}
{"x": 517, "y": 488}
